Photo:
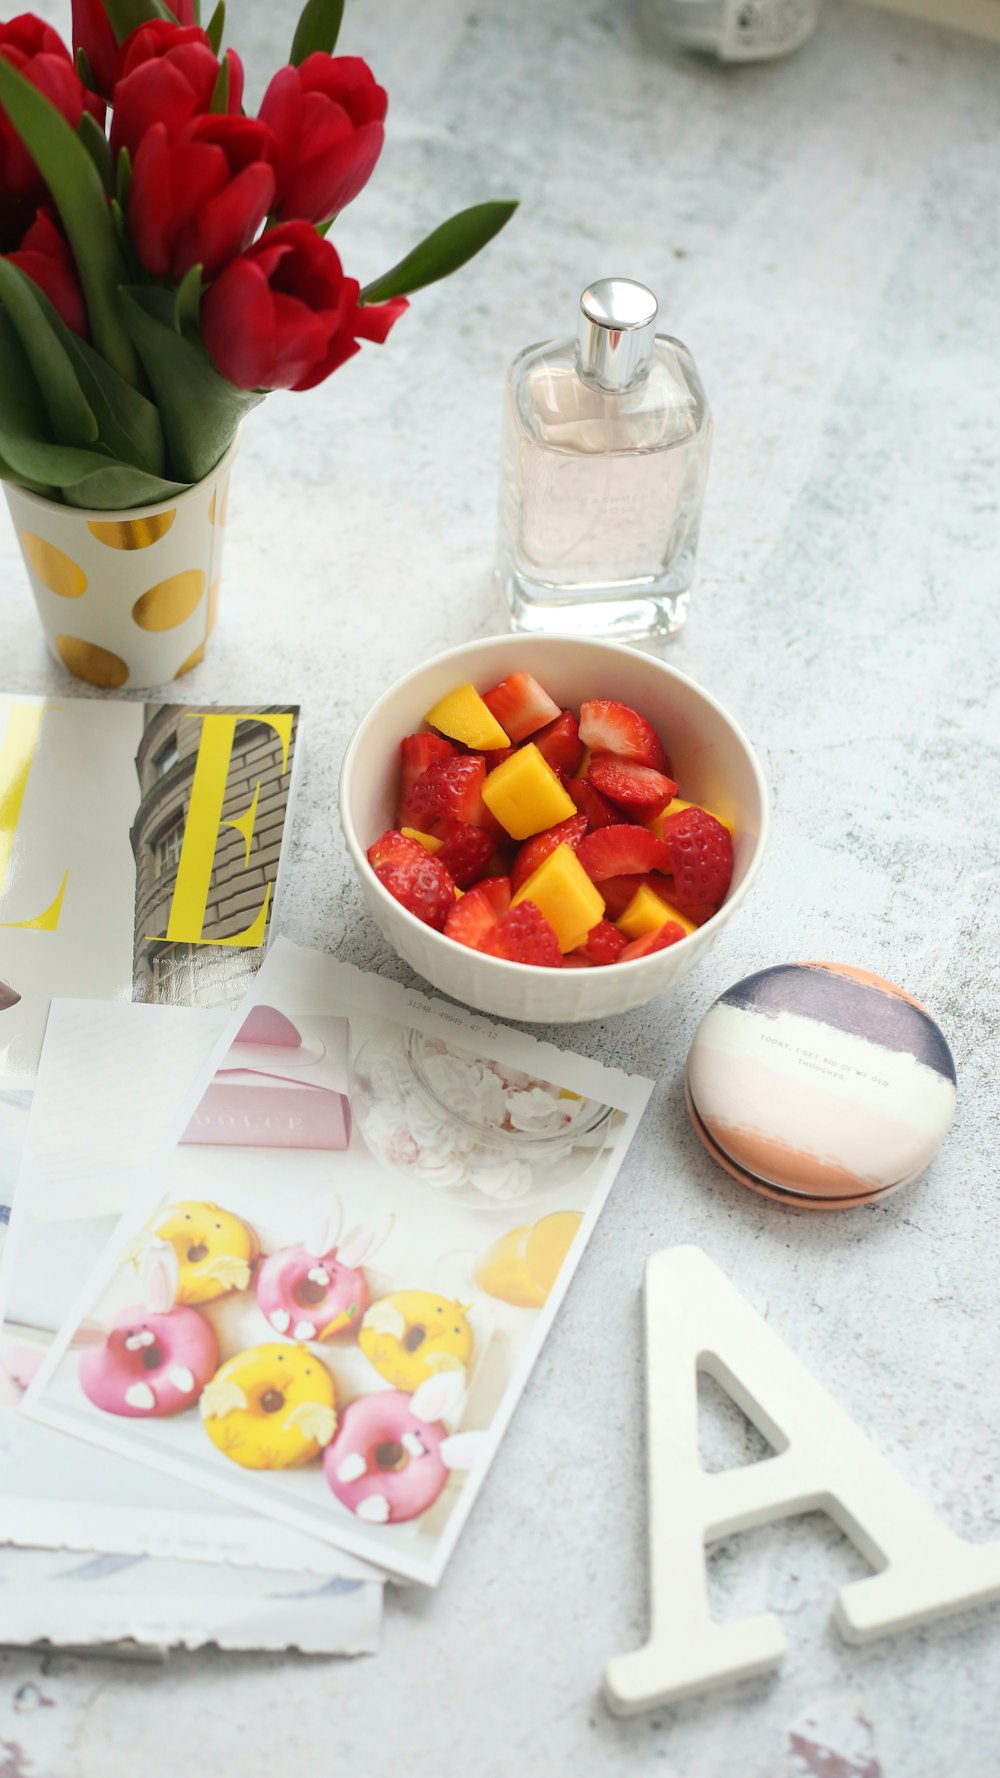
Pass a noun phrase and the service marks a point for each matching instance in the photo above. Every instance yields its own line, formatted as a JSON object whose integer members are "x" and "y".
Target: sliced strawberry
{"x": 700, "y": 851}
{"x": 618, "y": 892}
{"x": 610, "y": 727}
{"x": 604, "y": 944}
{"x": 496, "y": 756}
{"x": 416, "y": 753}
{"x": 450, "y": 789}
{"x": 472, "y": 918}
{"x": 576, "y": 960}
{"x": 641, "y": 790}
{"x": 417, "y": 879}
{"x": 523, "y": 935}
{"x": 465, "y": 851}
{"x": 565, "y": 833}
{"x": 590, "y": 802}
{"x": 667, "y": 934}
{"x": 559, "y": 742}
{"x": 620, "y": 851}
{"x": 520, "y": 705}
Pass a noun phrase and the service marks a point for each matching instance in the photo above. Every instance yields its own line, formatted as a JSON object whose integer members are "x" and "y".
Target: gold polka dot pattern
{"x": 98, "y": 666}
{"x": 54, "y": 568}
{"x": 132, "y": 533}
{"x": 167, "y": 604}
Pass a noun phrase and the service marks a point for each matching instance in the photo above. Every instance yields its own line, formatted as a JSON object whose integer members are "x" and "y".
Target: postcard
{"x": 115, "y": 1083}
{"x": 329, "y": 1302}
{"x": 77, "y": 1602}
{"x": 141, "y": 852}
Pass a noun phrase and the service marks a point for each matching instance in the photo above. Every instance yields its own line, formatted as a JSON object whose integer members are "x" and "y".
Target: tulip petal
{"x": 225, "y": 223}
{"x": 238, "y": 325}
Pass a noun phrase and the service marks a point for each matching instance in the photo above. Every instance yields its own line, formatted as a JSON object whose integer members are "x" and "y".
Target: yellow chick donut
{"x": 272, "y": 1407}
{"x": 215, "y": 1250}
{"x": 413, "y": 1335}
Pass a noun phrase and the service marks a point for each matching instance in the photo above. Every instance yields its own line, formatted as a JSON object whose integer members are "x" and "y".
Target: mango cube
{"x": 463, "y": 716}
{"x": 647, "y": 912}
{"x": 674, "y": 808}
{"x": 429, "y": 841}
{"x": 525, "y": 794}
{"x": 561, "y": 889}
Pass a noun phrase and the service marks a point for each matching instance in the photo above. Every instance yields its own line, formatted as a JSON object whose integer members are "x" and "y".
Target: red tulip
{"x": 166, "y": 73}
{"x": 326, "y": 117}
{"x": 38, "y": 53}
{"x": 283, "y": 316}
{"x": 93, "y": 34}
{"x": 201, "y": 197}
{"x": 45, "y": 257}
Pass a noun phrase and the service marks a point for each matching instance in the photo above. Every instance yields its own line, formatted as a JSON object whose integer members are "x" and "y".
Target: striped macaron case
{"x": 820, "y": 1085}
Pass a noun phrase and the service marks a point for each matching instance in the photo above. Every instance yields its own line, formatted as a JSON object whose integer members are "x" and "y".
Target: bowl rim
{"x": 512, "y": 640}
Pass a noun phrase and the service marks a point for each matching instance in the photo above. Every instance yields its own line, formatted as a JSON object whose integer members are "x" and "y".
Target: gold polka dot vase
{"x": 127, "y": 598}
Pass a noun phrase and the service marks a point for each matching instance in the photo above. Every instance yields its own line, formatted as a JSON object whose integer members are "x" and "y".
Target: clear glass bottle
{"x": 733, "y": 30}
{"x": 606, "y": 447}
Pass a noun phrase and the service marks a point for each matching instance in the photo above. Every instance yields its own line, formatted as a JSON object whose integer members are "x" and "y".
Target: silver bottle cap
{"x": 615, "y": 334}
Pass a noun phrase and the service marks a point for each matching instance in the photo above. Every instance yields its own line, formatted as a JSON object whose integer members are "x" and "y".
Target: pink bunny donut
{"x": 151, "y": 1364}
{"x": 318, "y": 1290}
{"x": 391, "y": 1456}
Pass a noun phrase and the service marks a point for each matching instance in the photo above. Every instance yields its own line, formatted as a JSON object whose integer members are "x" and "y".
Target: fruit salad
{"x": 549, "y": 836}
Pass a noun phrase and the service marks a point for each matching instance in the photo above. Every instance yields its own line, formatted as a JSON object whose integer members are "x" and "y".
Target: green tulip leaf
{"x": 96, "y": 143}
{"x": 200, "y": 410}
{"x": 187, "y": 301}
{"x": 215, "y": 27}
{"x": 442, "y": 252}
{"x": 70, "y": 417}
{"x": 84, "y": 478}
{"x": 128, "y": 15}
{"x": 123, "y": 179}
{"x": 128, "y": 424}
{"x": 9, "y": 474}
{"x": 219, "y": 102}
{"x": 23, "y": 405}
{"x": 118, "y": 486}
{"x": 318, "y": 29}
{"x": 75, "y": 184}
{"x": 85, "y": 72}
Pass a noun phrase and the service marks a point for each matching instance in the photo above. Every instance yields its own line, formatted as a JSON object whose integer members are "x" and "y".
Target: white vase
{"x": 127, "y": 599}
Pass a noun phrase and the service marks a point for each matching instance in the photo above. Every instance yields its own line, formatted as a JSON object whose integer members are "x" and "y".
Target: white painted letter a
{"x": 696, "y": 1320}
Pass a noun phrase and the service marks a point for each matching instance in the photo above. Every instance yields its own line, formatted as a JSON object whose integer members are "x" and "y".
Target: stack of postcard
{"x": 276, "y": 1275}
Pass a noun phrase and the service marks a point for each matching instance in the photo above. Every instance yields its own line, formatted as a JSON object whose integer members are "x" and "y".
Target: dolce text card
{"x": 327, "y": 1308}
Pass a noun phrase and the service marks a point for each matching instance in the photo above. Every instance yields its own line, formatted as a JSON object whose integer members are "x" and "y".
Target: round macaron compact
{"x": 820, "y": 1086}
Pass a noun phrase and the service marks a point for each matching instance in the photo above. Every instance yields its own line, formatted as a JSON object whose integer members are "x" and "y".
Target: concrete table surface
{"x": 823, "y": 232}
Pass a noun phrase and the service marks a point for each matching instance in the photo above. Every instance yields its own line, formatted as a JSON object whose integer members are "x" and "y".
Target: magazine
{"x": 327, "y": 1298}
{"x": 141, "y": 848}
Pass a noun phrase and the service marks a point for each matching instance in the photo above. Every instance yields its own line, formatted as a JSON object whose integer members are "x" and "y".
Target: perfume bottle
{"x": 606, "y": 448}
{"x": 734, "y": 30}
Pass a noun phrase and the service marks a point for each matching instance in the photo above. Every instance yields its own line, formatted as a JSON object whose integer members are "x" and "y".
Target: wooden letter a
{"x": 696, "y": 1320}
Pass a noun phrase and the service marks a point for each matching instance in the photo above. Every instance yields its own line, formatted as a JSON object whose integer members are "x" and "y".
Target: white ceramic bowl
{"x": 713, "y": 762}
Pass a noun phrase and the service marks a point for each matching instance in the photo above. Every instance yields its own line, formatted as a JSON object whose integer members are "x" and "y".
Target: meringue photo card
{"x": 329, "y": 1301}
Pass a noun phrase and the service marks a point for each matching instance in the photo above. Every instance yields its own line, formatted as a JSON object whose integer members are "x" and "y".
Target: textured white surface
{"x": 824, "y": 234}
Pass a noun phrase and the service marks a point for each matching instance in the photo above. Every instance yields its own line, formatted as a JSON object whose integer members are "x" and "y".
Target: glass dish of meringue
{"x": 485, "y": 1132}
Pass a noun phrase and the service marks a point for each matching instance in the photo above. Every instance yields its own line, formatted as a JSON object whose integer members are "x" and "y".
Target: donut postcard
{"x": 176, "y": 1547}
{"x": 326, "y": 1299}
{"x": 140, "y": 855}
